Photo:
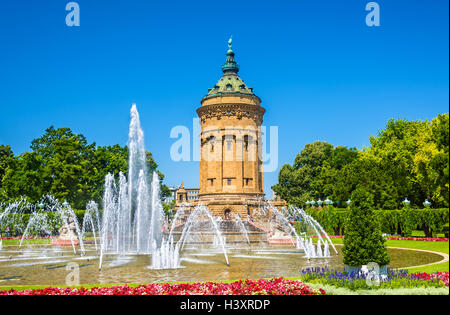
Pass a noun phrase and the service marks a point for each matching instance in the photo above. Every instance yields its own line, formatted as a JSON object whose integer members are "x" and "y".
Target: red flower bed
{"x": 429, "y": 239}
{"x": 275, "y": 286}
{"x": 26, "y": 237}
{"x": 442, "y": 276}
{"x": 401, "y": 238}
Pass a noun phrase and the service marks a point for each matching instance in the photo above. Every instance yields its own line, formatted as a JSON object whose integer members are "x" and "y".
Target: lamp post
{"x": 406, "y": 202}
{"x": 320, "y": 202}
{"x": 426, "y": 203}
{"x": 312, "y": 203}
{"x": 328, "y": 202}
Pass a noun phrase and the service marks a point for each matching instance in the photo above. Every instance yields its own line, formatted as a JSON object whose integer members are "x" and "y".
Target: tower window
{"x": 229, "y": 87}
{"x": 246, "y": 143}
{"x": 228, "y": 181}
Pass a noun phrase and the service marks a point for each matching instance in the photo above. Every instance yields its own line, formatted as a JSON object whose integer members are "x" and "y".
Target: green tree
{"x": 66, "y": 164}
{"x": 330, "y": 181}
{"x": 106, "y": 159}
{"x": 296, "y": 182}
{"x": 363, "y": 241}
{"x": 6, "y": 154}
{"x": 23, "y": 177}
{"x": 439, "y": 162}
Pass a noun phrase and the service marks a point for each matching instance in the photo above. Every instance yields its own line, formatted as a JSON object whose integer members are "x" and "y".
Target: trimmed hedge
{"x": 401, "y": 222}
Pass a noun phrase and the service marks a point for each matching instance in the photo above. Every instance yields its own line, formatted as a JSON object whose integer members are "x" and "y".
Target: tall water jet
{"x": 242, "y": 227}
{"x": 38, "y": 224}
{"x": 167, "y": 256}
{"x": 280, "y": 224}
{"x": 91, "y": 221}
{"x": 157, "y": 214}
{"x": 201, "y": 224}
{"x": 310, "y": 222}
{"x": 177, "y": 218}
{"x": 133, "y": 214}
{"x": 11, "y": 217}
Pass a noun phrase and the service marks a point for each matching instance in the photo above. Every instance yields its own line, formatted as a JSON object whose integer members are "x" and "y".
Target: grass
{"x": 442, "y": 247}
{"x": 431, "y": 269}
{"x": 31, "y": 241}
{"x": 422, "y": 234}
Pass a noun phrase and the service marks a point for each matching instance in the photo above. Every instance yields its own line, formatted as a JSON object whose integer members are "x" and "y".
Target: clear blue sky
{"x": 321, "y": 73}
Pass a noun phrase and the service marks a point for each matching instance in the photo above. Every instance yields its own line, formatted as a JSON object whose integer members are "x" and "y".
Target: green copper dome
{"x": 230, "y": 83}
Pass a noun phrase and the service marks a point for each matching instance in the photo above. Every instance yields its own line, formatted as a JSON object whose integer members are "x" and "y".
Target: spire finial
{"x": 231, "y": 64}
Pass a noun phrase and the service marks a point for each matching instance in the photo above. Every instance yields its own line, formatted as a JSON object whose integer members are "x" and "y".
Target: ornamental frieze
{"x": 239, "y": 111}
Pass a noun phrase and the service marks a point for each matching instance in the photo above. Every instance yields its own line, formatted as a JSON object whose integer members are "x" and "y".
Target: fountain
{"x": 310, "y": 224}
{"x": 38, "y": 224}
{"x": 11, "y": 217}
{"x": 42, "y": 221}
{"x": 131, "y": 229}
{"x": 199, "y": 228}
{"x": 69, "y": 231}
{"x": 133, "y": 215}
{"x": 91, "y": 221}
{"x": 242, "y": 228}
{"x": 167, "y": 256}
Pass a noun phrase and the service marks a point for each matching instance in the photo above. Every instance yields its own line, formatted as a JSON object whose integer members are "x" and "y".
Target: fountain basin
{"x": 60, "y": 242}
{"x": 281, "y": 241}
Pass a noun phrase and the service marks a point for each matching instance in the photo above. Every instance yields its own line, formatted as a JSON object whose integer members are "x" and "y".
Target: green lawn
{"x": 37, "y": 241}
{"x": 422, "y": 234}
{"x": 442, "y": 247}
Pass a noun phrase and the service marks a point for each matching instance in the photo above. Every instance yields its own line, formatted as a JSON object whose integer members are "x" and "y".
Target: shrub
{"x": 363, "y": 240}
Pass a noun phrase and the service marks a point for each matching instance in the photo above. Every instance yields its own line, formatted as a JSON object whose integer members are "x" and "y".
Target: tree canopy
{"x": 65, "y": 165}
{"x": 406, "y": 159}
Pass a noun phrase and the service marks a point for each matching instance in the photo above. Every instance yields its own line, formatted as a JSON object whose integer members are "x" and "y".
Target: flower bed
{"x": 355, "y": 281}
{"x": 26, "y": 237}
{"x": 401, "y": 238}
{"x": 275, "y": 286}
{"x": 442, "y": 276}
{"x": 428, "y": 239}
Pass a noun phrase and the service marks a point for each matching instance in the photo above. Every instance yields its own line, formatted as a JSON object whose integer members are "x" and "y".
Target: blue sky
{"x": 321, "y": 73}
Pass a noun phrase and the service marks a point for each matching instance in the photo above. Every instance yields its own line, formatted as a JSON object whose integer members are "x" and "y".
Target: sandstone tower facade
{"x": 231, "y": 175}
